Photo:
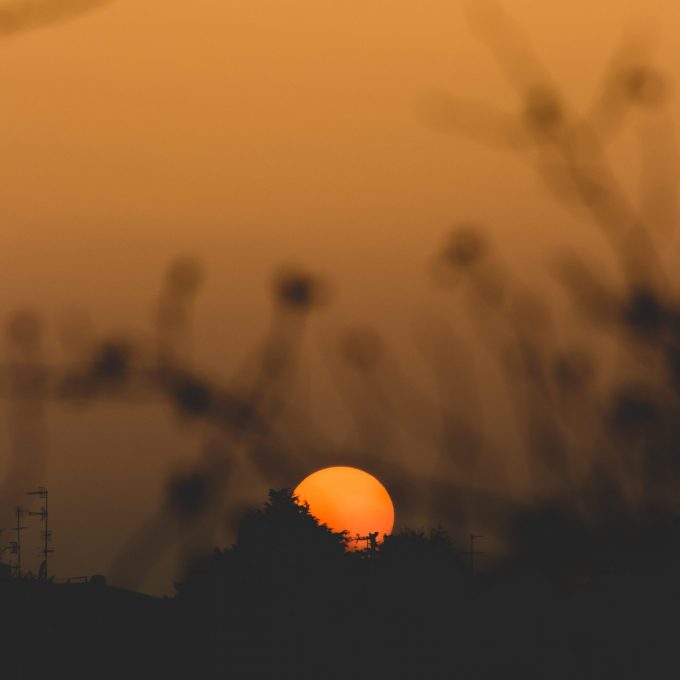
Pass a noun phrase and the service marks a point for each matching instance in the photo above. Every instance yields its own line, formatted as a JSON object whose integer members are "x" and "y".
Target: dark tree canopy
{"x": 284, "y": 532}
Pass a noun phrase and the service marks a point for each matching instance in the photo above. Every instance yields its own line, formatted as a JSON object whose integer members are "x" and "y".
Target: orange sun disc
{"x": 348, "y": 499}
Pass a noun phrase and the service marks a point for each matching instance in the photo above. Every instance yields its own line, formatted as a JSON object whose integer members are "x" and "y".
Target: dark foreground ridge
{"x": 287, "y": 600}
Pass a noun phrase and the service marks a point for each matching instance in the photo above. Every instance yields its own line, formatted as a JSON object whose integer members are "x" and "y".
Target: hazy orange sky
{"x": 253, "y": 133}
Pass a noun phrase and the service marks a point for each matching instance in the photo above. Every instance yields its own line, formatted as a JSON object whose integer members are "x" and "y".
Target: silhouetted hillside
{"x": 565, "y": 604}
{"x": 83, "y": 630}
{"x": 288, "y": 601}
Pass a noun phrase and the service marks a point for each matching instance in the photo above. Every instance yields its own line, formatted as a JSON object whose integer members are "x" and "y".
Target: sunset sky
{"x": 250, "y": 134}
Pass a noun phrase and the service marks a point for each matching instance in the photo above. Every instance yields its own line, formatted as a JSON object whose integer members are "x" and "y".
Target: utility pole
{"x": 16, "y": 545}
{"x": 46, "y": 534}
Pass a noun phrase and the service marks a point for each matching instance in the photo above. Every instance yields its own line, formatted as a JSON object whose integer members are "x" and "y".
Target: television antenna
{"x": 15, "y": 546}
{"x": 46, "y": 534}
{"x": 472, "y": 552}
{"x": 371, "y": 541}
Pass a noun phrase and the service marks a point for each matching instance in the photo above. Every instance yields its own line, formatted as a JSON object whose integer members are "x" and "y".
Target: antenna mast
{"x": 472, "y": 552}
{"x": 46, "y": 534}
{"x": 15, "y": 546}
{"x": 371, "y": 542}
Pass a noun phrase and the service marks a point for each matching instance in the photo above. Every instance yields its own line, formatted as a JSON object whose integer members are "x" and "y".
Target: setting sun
{"x": 345, "y": 498}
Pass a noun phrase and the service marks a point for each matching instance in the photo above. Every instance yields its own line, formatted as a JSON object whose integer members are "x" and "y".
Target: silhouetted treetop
{"x": 411, "y": 545}
{"x": 286, "y": 531}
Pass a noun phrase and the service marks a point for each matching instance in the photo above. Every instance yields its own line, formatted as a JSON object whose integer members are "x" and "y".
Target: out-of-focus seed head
{"x": 644, "y": 85}
{"x": 187, "y": 495}
{"x": 543, "y": 112}
{"x": 645, "y": 313}
{"x": 24, "y": 329}
{"x": 465, "y": 248}
{"x": 193, "y": 397}
{"x": 185, "y": 276}
{"x": 297, "y": 289}
{"x": 362, "y": 348}
{"x": 112, "y": 362}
